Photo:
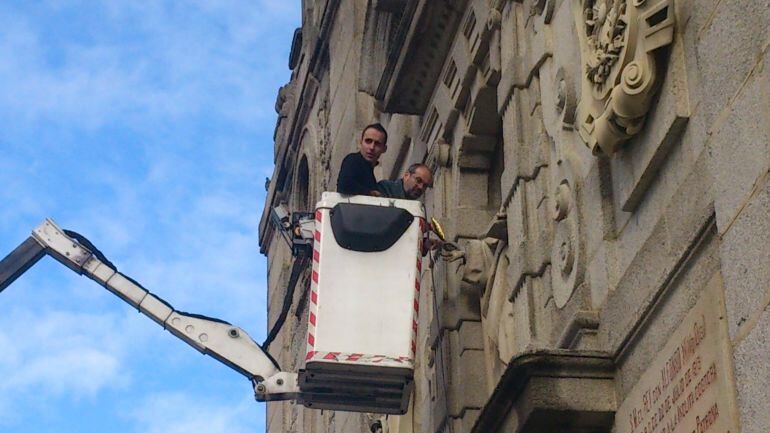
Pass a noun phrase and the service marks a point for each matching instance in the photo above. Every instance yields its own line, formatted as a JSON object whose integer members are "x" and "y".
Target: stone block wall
{"x": 603, "y": 167}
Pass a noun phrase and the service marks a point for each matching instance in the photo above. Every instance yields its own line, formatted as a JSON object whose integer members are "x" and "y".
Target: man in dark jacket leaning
{"x": 411, "y": 186}
{"x": 357, "y": 171}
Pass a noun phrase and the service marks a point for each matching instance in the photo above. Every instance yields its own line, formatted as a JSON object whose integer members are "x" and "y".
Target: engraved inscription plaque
{"x": 689, "y": 386}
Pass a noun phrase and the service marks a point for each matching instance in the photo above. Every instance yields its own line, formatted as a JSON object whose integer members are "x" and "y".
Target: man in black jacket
{"x": 412, "y": 184}
{"x": 357, "y": 171}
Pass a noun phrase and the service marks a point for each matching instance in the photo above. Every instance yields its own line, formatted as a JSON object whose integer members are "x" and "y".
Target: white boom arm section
{"x": 228, "y": 344}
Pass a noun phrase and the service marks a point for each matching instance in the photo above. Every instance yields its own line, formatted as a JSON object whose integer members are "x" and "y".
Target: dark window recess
{"x": 658, "y": 17}
{"x": 367, "y": 228}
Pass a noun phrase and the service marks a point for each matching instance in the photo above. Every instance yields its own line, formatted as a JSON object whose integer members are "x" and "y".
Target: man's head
{"x": 374, "y": 142}
{"x": 417, "y": 179}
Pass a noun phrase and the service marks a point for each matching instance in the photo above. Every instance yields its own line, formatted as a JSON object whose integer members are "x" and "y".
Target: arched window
{"x": 302, "y": 190}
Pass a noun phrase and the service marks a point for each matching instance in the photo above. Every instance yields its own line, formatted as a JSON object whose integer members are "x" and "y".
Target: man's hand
{"x": 375, "y": 193}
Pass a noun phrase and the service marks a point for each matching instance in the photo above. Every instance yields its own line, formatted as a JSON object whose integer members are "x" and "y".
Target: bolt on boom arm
{"x": 226, "y": 343}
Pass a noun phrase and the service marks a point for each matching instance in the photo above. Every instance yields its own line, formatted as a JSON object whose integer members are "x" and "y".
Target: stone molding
{"x": 536, "y": 394}
{"x": 423, "y": 38}
{"x": 296, "y": 48}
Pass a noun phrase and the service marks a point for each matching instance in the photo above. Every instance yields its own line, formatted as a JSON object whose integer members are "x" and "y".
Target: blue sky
{"x": 145, "y": 125}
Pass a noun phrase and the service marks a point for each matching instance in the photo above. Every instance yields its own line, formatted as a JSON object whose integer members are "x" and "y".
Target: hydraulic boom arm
{"x": 228, "y": 344}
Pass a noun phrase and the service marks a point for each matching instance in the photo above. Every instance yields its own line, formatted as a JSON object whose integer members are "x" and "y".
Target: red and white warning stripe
{"x": 355, "y": 357}
{"x": 314, "y": 285}
{"x": 417, "y": 279}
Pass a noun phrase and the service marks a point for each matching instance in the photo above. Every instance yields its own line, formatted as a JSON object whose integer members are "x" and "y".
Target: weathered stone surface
{"x": 511, "y": 131}
{"x": 521, "y": 334}
{"x": 275, "y": 416}
{"x": 596, "y": 275}
{"x": 465, "y": 424}
{"x": 470, "y": 189}
{"x": 580, "y": 328}
{"x": 658, "y": 260}
{"x": 657, "y": 324}
{"x": 470, "y": 336}
{"x": 440, "y": 388}
{"x": 727, "y": 48}
{"x": 752, "y": 374}
{"x": 349, "y": 422}
{"x": 688, "y": 183}
{"x": 692, "y": 16}
{"x": 466, "y": 389}
{"x": 456, "y": 310}
{"x": 691, "y": 205}
{"x": 463, "y": 221}
{"x": 740, "y": 146}
{"x": 530, "y": 229}
{"x": 642, "y": 254}
{"x": 592, "y": 210}
{"x": 342, "y": 121}
{"x": 746, "y": 260}
{"x": 566, "y": 52}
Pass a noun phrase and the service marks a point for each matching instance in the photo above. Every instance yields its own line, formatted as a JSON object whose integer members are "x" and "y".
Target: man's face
{"x": 372, "y": 145}
{"x": 416, "y": 184}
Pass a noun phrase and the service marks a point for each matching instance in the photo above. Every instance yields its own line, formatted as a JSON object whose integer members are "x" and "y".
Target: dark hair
{"x": 376, "y": 127}
{"x": 413, "y": 168}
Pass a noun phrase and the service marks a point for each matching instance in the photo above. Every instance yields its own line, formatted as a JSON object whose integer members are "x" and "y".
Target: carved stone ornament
{"x": 566, "y": 100}
{"x": 566, "y": 253}
{"x": 497, "y": 312}
{"x": 443, "y": 153}
{"x": 618, "y": 40}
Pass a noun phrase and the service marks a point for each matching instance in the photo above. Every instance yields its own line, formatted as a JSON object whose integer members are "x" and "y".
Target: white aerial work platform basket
{"x": 361, "y": 338}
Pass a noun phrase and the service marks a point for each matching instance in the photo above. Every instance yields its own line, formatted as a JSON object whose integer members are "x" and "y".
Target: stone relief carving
{"x": 566, "y": 100}
{"x": 480, "y": 268}
{"x": 443, "y": 153}
{"x": 618, "y": 41}
{"x": 566, "y": 253}
{"x": 497, "y": 316}
{"x": 478, "y": 263}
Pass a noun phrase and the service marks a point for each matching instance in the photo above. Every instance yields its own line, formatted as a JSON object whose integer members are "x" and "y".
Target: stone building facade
{"x": 604, "y": 166}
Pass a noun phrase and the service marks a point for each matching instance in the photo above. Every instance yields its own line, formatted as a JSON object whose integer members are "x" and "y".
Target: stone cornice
{"x": 546, "y": 390}
{"x": 296, "y": 48}
{"x": 417, "y": 54}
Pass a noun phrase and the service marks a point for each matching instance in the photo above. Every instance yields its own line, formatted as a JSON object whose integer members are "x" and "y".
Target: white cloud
{"x": 167, "y": 76}
{"x": 77, "y": 371}
{"x": 178, "y": 413}
{"x": 57, "y": 354}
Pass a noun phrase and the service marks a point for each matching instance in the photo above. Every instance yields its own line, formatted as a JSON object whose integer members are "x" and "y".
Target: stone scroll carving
{"x": 566, "y": 253}
{"x": 619, "y": 41}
